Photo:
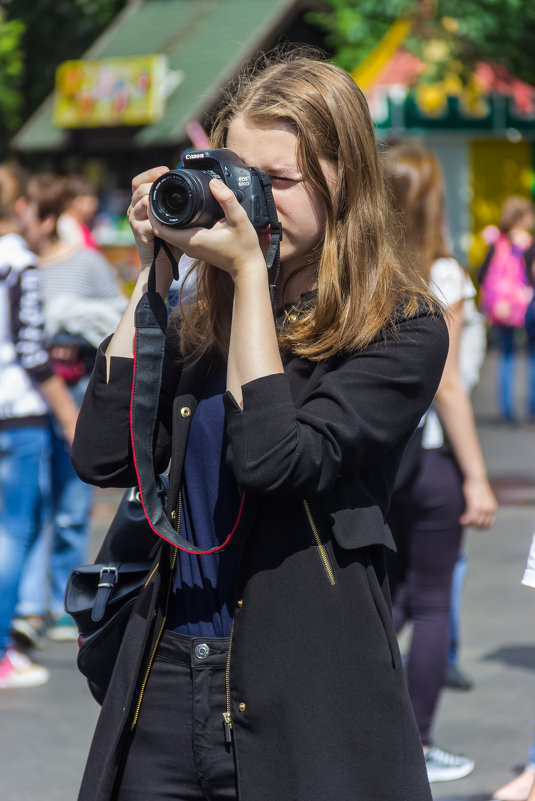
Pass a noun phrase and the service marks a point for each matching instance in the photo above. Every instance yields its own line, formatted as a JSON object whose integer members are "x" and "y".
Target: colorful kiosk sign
{"x": 110, "y": 92}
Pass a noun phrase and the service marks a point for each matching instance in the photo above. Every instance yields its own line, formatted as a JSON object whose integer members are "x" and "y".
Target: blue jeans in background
{"x": 507, "y": 371}
{"x": 457, "y": 583}
{"x": 24, "y": 493}
{"x": 63, "y": 544}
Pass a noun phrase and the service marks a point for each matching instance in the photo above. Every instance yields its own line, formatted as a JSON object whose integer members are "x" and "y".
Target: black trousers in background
{"x": 424, "y": 519}
{"x": 178, "y": 750}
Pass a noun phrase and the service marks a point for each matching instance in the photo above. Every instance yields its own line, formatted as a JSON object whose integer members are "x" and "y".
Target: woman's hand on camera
{"x": 143, "y": 230}
{"x": 231, "y": 244}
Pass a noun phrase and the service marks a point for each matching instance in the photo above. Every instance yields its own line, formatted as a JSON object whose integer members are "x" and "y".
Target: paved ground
{"x": 45, "y": 732}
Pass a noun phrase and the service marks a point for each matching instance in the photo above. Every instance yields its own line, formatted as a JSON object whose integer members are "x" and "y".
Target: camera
{"x": 182, "y": 198}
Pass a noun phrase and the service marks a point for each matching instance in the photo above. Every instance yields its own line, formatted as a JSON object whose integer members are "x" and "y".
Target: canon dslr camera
{"x": 182, "y": 197}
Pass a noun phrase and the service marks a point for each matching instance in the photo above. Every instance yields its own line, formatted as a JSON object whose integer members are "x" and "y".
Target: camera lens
{"x": 182, "y": 198}
{"x": 174, "y": 199}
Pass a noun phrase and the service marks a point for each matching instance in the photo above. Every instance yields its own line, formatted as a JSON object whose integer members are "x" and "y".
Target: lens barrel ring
{"x": 182, "y": 199}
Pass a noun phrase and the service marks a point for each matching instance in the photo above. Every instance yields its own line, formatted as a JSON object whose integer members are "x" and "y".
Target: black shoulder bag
{"x": 100, "y": 597}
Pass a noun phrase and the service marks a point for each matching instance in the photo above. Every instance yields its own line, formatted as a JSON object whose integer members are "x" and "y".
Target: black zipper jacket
{"x": 316, "y": 695}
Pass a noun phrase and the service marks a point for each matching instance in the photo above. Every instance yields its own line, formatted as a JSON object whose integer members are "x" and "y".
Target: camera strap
{"x": 160, "y": 243}
{"x": 149, "y": 351}
{"x": 273, "y": 261}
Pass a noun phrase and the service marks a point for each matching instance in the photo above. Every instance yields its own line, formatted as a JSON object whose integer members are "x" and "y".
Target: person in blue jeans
{"x": 61, "y": 546}
{"x": 82, "y": 304}
{"x": 517, "y": 221}
{"x": 508, "y": 348}
{"x": 28, "y": 391}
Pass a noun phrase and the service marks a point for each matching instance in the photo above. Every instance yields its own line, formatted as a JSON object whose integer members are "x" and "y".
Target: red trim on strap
{"x": 180, "y": 547}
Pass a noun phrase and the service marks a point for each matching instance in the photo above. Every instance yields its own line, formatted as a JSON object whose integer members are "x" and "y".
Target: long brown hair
{"x": 416, "y": 183}
{"x": 360, "y": 280}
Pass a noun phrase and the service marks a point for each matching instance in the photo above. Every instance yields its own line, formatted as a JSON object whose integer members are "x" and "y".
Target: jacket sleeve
{"x": 359, "y": 410}
{"x": 27, "y": 325}
{"x": 102, "y": 449}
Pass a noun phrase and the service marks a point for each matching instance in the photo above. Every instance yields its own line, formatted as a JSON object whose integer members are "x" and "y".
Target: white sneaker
{"x": 28, "y": 631}
{"x": 16, "y": 670}
{"x": 445, "y": 767}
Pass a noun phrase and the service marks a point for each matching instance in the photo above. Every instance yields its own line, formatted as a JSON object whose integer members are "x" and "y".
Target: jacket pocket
{"x": 359, "y": 527}
{"x": 320, "y": 547}
{"x": 385, "y": 616}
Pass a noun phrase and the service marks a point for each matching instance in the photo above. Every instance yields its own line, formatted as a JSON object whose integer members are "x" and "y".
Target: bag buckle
{"x": 111, "y": 579}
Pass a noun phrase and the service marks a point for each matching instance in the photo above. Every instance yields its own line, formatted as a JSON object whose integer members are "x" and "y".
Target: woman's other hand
{"x": 481, "y": 503}
{"x": 143, "y": 230}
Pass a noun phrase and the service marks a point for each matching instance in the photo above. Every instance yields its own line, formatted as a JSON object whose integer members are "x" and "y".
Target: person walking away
{"x": 28, "y": 389}
{"x": 449, "y": 488}
{"x": 281, "y": 646}
{"x": 506, "y": 278}
{"x": 82, "y": 304}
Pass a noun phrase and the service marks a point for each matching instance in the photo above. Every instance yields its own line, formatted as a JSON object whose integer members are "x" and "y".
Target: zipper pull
{"x": 228, "y": 727}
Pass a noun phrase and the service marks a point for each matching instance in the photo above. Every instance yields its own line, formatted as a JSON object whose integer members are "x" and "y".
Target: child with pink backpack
{"x": 506, "y": 279}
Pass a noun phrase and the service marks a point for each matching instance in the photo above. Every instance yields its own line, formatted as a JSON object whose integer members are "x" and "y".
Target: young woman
{"x": 278, "y": 674}
{"x": 449, "y": 488}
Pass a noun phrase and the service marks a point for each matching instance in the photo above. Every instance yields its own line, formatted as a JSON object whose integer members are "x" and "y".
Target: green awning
{"x": 205, "y": 39}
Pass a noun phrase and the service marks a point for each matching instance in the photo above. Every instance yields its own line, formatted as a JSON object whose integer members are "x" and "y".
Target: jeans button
{"x": 202, "y": 650}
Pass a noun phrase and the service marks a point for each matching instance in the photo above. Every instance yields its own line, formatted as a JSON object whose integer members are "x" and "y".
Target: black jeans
{"x": 178, "y": 750}
{"x": 424, "y": 518}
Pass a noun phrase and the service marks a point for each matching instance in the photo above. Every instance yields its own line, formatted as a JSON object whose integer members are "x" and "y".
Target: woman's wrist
{"x": 252, "y": 271}
{"x": 164, "y": 279}
{"x": 478, "y": 478}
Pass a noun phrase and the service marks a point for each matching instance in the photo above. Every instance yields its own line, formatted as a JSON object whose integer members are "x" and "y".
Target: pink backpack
{"x": 505, "y": 291}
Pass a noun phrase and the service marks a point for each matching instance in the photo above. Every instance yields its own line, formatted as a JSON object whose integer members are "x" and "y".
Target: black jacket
{"x": 317, "y": 694}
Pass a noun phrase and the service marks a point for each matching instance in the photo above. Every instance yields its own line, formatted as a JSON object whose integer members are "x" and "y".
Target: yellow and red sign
{"x": 111, "y": 91}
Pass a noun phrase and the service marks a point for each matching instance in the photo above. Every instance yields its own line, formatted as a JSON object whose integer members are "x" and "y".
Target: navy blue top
{"x": 203, "y": 597}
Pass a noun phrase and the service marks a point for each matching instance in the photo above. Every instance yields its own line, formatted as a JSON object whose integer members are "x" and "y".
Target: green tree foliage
{"x": 36, "y": 36}
{"x": 354, "y": 27}
{"x": 11, "y": 67}
{"x": 469, "y": 30}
